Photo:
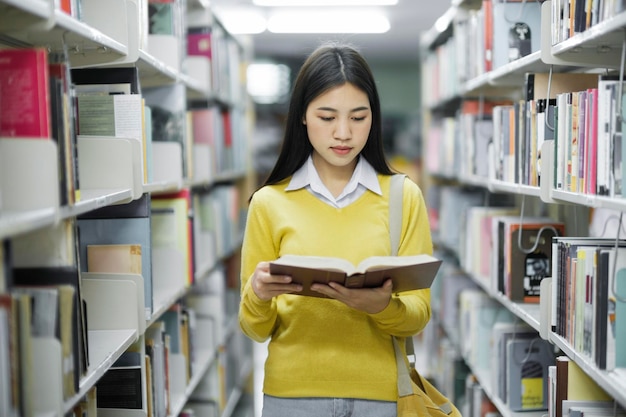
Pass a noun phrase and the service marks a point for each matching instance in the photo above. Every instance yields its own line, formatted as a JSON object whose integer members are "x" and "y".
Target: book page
{"x": 316, "y": 262}
{"x": 374, "y": 263}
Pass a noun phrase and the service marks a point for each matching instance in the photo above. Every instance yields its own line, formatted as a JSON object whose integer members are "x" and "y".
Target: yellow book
{"x": 580, "y": 386}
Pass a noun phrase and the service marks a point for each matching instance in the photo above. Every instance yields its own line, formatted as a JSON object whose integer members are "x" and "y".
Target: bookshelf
{"x": 127, "y": 184}
{"x": 455, "y": 71}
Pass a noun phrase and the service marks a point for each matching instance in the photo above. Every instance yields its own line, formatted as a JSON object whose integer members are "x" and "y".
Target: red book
{"x": 24, "y": 93}
{"x": 488, "y": 34}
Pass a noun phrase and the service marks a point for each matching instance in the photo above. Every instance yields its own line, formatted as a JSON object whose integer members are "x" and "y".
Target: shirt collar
{"x": 307, "y": 176}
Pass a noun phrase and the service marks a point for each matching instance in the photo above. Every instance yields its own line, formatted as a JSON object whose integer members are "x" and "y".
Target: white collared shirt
{"x": 363, "y": 178}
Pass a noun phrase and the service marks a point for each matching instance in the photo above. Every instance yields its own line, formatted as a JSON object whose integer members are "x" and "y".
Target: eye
{"x": 327, "y": 118}
{"x": 359, "y": 119}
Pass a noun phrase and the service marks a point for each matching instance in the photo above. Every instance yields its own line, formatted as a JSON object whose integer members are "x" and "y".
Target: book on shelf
{"x": 479, "y": 313}
{"x": 516, "y": 30}
{"x": 52, "y": 309}
{"x": 527, "y": 375}
{"x": 172, "y": 227}
{"x": 121, "y": 386}
{"x": 75, "y": 345}
{"x": 13, "y": 348}
{"x": 407, "y": 272}
{"x": 53, "y": 246}
{"x": 609, "y": 140}
{"x": 125, "y": 224}
{"x": 155, "y": 349}
{"x": 44, "y": 309}
{"x": 580, "y": 386}
{"x": 172, "y": 319}
{"x": 25, "y": 107}
{"x": 27, "y": 373}
{"x": 620, "y": 319}
{"x": 580, "y": 408}
{"x": 120, "y": 258}
{"x": 608, "y": 320}
{"x": 62, "y": 111}
{"x": 7, "y": 406}
{"x": 169, "y": 120}
{"x": 524, "y": 255}
{"x": 478, "y": 258}
{"x": 536, "y": 84}
{"x": 502, "y": 332}
{"x": 584, "y": 284}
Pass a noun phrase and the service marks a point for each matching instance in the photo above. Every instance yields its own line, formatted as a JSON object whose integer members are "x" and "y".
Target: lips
{"x": 342, "y": 150}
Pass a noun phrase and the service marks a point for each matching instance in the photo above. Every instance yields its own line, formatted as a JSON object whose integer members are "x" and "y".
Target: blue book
{"x": 527, "y": 362}
{"x": 121, "y": 224}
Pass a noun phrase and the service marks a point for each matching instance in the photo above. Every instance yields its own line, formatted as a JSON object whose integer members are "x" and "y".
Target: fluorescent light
{"x": 267, "y": 82}
{"x": 442, "y": 23}
{"x": 289, "y": 3}
{"x": 243, "y": 21}
{"x": 356, "y": 21}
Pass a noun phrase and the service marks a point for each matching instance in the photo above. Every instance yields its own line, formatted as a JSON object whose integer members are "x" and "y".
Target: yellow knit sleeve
{"x": 257, "y": 318}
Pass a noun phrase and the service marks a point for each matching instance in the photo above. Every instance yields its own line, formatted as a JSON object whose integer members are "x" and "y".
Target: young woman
{"x": 328, "y": 196}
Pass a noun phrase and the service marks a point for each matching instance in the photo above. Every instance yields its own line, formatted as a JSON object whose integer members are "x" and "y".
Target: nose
{"x": 342, "y": 130}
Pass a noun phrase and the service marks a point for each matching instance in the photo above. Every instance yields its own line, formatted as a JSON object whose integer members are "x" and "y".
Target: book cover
{"x": 77, "y": 361}
{"x": 580, "y": 386}
{"x": 516, "y": 30}
{"x": 501, "y": 333}
{"x": 528, "y": 361}
{"x": 121, "y": 386}
{"x": 528, "y": 257}
{"x": 25, "y": 92}
{"x": 120, "y": 258}
{"x": 407, "y": 272}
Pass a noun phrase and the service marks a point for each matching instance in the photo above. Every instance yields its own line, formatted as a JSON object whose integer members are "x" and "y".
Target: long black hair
{"x": 329, "y": 66}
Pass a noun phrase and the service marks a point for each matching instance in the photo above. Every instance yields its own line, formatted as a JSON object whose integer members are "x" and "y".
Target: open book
{"x": 407, "y": 272}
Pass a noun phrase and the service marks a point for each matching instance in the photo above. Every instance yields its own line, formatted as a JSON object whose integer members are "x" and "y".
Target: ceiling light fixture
{"x": 243, "y": 21}
{"x": 359, "y": 21}
{"x": 289, "y": 3}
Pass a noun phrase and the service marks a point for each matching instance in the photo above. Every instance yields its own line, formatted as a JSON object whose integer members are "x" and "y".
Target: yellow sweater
{"x": 320, "y": 347}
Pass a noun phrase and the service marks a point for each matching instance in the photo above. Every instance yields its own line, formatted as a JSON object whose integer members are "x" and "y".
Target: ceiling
{"x": 408, "y": 19}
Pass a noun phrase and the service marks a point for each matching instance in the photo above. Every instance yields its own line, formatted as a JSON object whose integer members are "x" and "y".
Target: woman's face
{"x": 338, "y": 124}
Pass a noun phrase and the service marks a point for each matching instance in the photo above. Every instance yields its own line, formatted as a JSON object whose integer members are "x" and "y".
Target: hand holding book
{"x": 406, "y": 272}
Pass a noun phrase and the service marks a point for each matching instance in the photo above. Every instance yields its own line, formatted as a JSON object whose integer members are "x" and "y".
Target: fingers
{"x": 267, "y": 286}
{"x": 368, "y": 300}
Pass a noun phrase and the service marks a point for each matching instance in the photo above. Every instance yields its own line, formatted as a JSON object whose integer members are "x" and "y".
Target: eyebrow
{"x": 351, "y": 111}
